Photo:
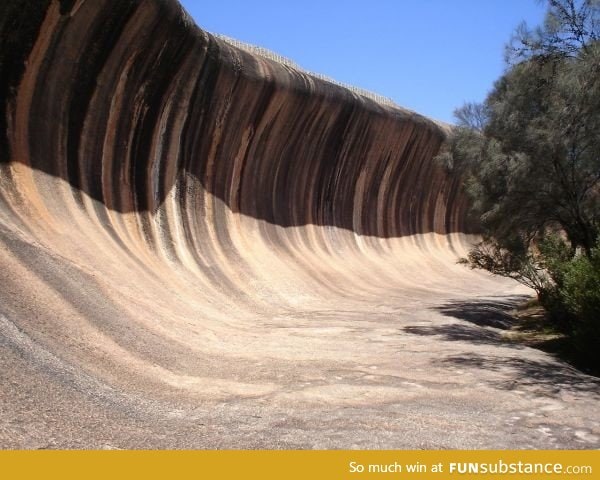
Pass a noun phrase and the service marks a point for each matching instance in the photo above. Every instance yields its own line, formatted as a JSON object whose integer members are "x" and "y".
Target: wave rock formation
{"x": 203, "y": 247}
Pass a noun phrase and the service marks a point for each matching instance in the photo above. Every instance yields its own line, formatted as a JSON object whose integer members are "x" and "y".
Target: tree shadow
{"x": 459, "y": 333}
{"x": 550, "y": 376}
{"x": 487, "y": 318}
{"x": 485, "y": 313}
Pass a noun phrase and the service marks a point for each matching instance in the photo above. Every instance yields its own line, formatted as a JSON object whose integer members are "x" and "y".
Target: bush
{"x": 572, "y": 296}
{"x": 555, "y": 257}
{"x": 580, "y": 294}
{"x": 567, "y": 282}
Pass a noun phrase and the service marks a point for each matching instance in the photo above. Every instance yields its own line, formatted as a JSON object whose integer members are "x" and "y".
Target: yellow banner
{"x": 312, "y": 465}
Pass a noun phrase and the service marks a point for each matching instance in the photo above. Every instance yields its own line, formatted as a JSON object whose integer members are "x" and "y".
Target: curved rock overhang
{"x": 184, "y": 222}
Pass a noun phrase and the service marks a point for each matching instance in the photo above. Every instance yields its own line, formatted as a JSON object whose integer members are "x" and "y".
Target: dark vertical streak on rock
{"x": 106, "y": 32}
{"x": 268, "y": 141}
{"x": 20, "y": 22}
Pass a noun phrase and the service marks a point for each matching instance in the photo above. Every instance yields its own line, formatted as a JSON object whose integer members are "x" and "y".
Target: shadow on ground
{"x": 549, "y": 376}
{"x": 484, "y": 320}
{"x": 484, "y": 313}
{"x": 459, "y": 333}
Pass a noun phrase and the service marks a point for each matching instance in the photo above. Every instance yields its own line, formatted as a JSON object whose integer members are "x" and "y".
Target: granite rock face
{"x": 129, "y": 102}
{"x": 203, "y": 247}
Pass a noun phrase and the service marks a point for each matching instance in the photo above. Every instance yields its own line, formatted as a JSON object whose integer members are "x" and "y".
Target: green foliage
{"x": 530, "y": 157}
{"x": 554, "y": 258}
{"x": 580, "y": 287}
{"x": 520, "y": 265}
{"x": 569, "y": 26}
{"x": 530, "y": 152}
{"x": 580, "y": 298}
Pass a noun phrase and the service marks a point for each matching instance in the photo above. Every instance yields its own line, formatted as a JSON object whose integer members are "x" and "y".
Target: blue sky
{"x": 427, "y": 55}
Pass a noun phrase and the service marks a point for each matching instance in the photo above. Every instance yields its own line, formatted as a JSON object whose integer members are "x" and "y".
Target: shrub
{"x": 580, "y": 294}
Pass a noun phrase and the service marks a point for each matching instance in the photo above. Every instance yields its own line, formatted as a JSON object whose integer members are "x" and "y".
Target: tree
{"x": 530, "y": 157}
{"x": 530, "y": 154}
{"x": 570, "y": 27}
